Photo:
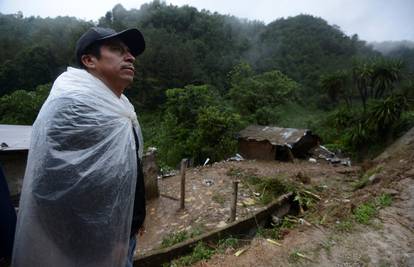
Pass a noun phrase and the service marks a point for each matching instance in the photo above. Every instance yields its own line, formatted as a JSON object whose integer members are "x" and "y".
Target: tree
{"x": 335, "y": 86}
{"x": 22, "y": 107}
{"x": 384, "y": 114}
{"x": 385, "y": 73}
{"x": 250, "y": 93}
{"x": 362, "y": 77}
{"x": 196, "y": 125}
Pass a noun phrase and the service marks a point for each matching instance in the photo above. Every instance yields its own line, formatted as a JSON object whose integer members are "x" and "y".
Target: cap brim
{"x": 132, "y": 38}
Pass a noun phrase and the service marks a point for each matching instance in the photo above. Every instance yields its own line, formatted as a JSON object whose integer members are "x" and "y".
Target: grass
{"x": 275, "y": 232}
{"x": 203, "y": 252}
{"x": 345, "y": 225}
{"x": 294, "y": 257}
{"x": 364, "y": 180}
{"x": 227, "y": 243}
{"x": 365, "y": 212}
{"x": 385, "y": 200}
{"x": 177, "y": 237}
{"x": 200, "y": 252}
{"x": 268, "y": 188}
{"x": 174, "y": 238}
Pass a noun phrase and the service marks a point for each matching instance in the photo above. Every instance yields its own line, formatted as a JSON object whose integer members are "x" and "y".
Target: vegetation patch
{"x": 200, "y": 252}
{"x": 228, "y": 243}
{"x": 345, "y": 225}
{"x": 277, "y": 231}
{"x": 177, "y": 237}
{"x": 204, "y": 252}
{"x": 364, "y": 180}
{"x": 267, "y": 188}
{"x": 174, "y": 238}
{"x": 385, "y": 200}
{"x": 366, "y": 211}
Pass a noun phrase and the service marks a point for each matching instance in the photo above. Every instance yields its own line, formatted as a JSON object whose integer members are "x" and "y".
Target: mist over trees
{"x": 205, "y": 75}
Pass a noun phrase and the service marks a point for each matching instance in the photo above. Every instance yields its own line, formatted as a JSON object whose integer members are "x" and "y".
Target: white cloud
{"x": 372, "y": 20}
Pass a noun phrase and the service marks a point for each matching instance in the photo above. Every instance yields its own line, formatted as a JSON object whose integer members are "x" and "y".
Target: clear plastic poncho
{"x": 78, "y": 191}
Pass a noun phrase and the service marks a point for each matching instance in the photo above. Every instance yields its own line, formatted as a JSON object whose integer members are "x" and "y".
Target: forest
{"x": 205, "y": 76}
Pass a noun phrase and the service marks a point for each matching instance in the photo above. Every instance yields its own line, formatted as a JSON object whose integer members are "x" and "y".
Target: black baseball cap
{"x": 132, "y": 38}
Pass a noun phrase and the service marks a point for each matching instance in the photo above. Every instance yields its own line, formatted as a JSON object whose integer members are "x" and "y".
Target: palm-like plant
{"x": 384, "y": 114}
{"x": 384, "y": 74}
{"x": 334, "y": 84}
{"x": 362, "y": 77}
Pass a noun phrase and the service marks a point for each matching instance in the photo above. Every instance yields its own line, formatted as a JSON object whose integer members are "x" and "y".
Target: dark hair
{"x": 94, "y": 49}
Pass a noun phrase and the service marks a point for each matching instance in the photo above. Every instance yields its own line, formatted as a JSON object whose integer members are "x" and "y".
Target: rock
{"x": 391, "y": 192}
{"x": 276, "y": 220}
{"x": 221, "y": 224}
{"x": 374, "y": 179}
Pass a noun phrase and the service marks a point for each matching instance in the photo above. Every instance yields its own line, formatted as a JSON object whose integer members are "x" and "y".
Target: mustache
{"x": 126, "y": 65}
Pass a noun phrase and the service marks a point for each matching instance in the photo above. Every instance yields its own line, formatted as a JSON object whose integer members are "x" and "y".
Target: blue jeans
{"x": 131, "y": 249}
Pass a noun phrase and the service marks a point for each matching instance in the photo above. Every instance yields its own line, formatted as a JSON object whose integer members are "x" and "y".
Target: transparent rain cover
{"x": 78, "y": 191}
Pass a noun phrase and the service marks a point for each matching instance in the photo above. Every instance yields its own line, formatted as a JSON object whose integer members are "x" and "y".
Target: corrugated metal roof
{"x": 275, "y": 135}
{"x": 15, "y": 137}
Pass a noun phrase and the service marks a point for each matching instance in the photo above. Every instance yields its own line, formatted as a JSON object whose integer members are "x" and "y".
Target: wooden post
{"x": 234, "y": 202}
{"x": 183, "y": 167}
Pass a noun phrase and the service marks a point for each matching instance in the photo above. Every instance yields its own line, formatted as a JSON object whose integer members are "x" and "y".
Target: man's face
{"x": 116, "y": 65}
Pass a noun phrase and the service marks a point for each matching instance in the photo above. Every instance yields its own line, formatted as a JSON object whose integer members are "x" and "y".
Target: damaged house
{"x": 275, "y": 143}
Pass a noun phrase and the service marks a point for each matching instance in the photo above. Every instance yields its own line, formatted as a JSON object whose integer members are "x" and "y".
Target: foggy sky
{"x": 372, "y": 20}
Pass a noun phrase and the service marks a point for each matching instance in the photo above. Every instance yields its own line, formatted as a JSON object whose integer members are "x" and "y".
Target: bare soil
{"x": 208, "y": 195}
{"x": 387, "y": 241}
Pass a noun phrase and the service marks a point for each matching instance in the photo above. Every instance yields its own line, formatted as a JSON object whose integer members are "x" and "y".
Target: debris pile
{"x": 322, "y": 152}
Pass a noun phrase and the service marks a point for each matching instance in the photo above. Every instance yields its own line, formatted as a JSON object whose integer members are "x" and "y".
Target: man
{"x": 83, "y": 172}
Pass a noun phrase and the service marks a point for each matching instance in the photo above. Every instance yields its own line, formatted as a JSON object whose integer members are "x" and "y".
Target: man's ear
{"x": 89, "y": 61}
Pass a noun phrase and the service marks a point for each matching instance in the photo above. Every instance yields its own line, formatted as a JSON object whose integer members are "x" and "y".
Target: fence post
{"x": 233, "y": 208}
{"x": 183, "y": 167}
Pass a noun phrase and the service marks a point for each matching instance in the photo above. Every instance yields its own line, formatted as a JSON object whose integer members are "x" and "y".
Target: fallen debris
{"x": 312, "y": 194}
{"x": 170, "y": 197}
{"x": 303, "y": 256}
{"x": 237, "y": 157}
{"x": 323, "y": 153}
{"x": 241, "y": 251}
{"x": 271, "y": 241}
{"x": 208, "y": 182}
